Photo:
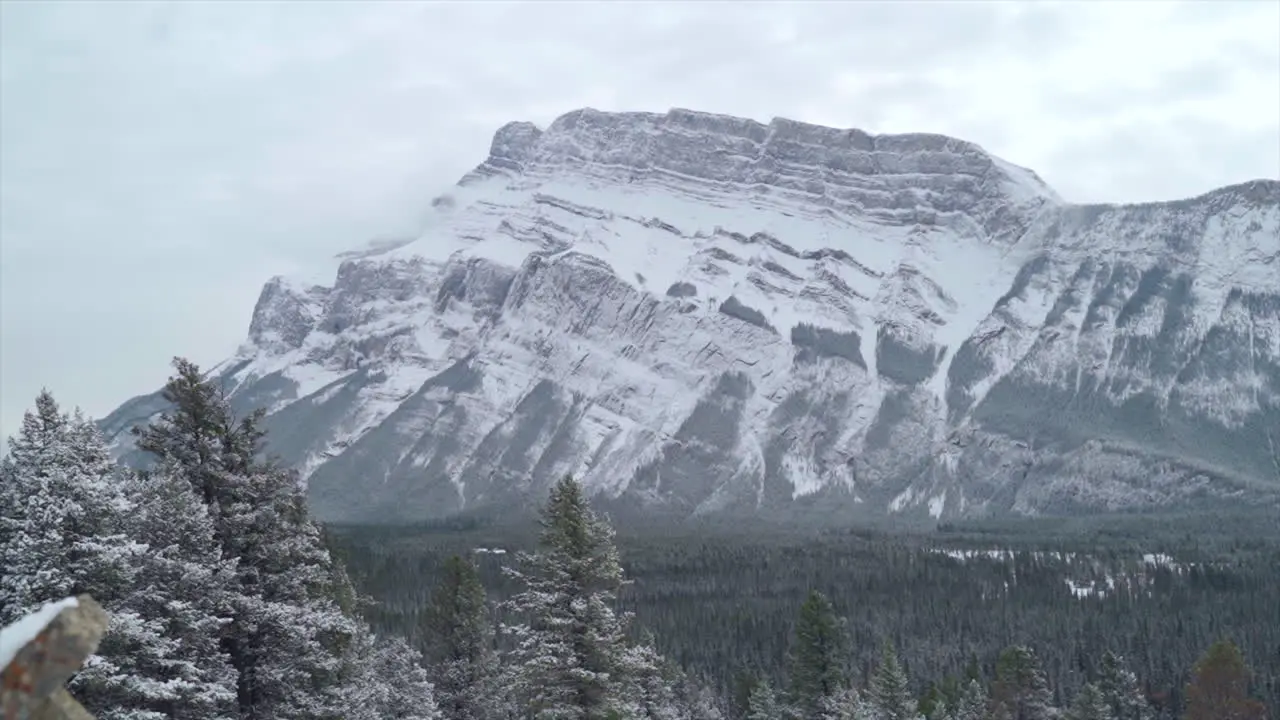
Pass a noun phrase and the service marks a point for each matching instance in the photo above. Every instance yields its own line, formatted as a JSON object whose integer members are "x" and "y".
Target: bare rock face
{"x": 697, "y": 313}
{"x": 61, "y": 637}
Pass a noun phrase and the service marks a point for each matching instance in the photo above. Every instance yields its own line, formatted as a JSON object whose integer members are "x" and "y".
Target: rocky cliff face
{"x": 696, "y": 313}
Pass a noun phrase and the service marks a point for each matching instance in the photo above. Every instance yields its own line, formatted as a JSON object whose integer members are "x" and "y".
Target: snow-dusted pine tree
{"x": 163, "y": 658}
{"x": 569, "y": 650}
{"x": 972, "y": 704}
{"x": 818, "y": 656}
{"x": 290, "y": 640}
{"x": 1120, "y": 691}
{"x": 458, "y": 635}
{"x": 1021, "y": 691}
{"x": 763, "y": 703}
{"x": 700, "y": 700}
{"x": 846, "y": 705}
{"x": 890, "y": 690}
{"x": 290, "y": 632}
{"x": 390, "y": 682}
{"x": 1089, "y": 704}
{"x": 649, "y": 684}
{"x": 63, "y": 523}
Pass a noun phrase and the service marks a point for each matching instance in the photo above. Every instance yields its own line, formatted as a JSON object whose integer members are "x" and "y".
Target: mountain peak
{"x": 706, "y": 313}
{"x": 906, "y": 178}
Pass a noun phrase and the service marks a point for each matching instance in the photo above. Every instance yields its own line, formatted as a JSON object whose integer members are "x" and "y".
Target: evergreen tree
{"x": 972, "y": 704}
{"x": 1090, "y": 704}
{"x": 1119, "y": 688}
{"x": 890, "y": 690}
{"x": 162, "y": 658}
{"x": 64, "y": 520}
{"x": 818, "y": 656}
{"x": 460, "y": 646}
{"x": 933, "y": 705}
{"x": 763, "y": 703}
{"x": 949, "y": 692}
{"x": 569, "y": 651}
{"x": 846, "y": 705}
{"x": 1219, "y": 687}
{"x": 649, "y": 692}
{"x": 67, "y": 534}
{"x": 1021, "y": 691}
{"x": 744, "y": 682}
{"x": 289, "y": 640}
{"x": 289, "y": 631}
{"x": 700, "y": 700}
{"x": 391, "y": 682}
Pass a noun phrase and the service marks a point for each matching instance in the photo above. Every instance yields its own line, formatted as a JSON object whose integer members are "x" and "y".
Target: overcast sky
{"x": 158, "y": 162}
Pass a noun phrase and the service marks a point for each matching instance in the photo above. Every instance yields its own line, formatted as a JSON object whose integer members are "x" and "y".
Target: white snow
{"x": 639, "y": 364}
{"x": 902, "y": 500}
{"x": 16, "y": 636}
{"x": 1084, "y": 590}
{"x": 936, "y": 503}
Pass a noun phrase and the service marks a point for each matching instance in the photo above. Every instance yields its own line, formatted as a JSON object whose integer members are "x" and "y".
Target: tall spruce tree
{"x": 289, "y": 625}
{"x": 164, "y": 660}
{"x": 972, "y": 704}
{"x": 743, "y": 683}
{"x": 1219, "y": 687}
{"x": 1021, "y": 691}
{"x": 649, "y": 685}
{"x": 933, "y": 703}
{"x": 458, "y": 635}
{"x": 292, "y": 645}
{"x": 1120, "y": 691}
{"x": 818, "y": 656}
{"x": 700, "y": 700}
{"x": 890, "y": 690}
{"x": 762, "y": 703}
{"x": 569, "y": 647}
{"x": 846, "y": 705}
{"x": 391, "y": 682}
{"x": 63, "y": 524}
{"x": 67, "y": 534}
{"x": 1089, "y": 704}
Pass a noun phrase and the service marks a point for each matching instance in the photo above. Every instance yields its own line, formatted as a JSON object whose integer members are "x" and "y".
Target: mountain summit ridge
{"x": 697, "y": 313}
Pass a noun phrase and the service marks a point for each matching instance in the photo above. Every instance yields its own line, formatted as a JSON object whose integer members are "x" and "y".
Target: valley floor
{"x": 722, "y": 602}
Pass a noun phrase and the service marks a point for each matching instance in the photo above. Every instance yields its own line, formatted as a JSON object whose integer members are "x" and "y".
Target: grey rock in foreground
{"x": 33, "y": 683}
{"x": 699, "y": 314}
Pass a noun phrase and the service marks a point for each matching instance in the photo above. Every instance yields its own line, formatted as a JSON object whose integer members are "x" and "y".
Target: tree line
{"x": 723, "y": 604}
{"x": 227, "y": 602}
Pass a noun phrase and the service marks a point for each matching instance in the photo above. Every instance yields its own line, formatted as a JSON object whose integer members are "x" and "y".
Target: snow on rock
{"x": 706, "y": 313}
{"x": 16, "y": 636}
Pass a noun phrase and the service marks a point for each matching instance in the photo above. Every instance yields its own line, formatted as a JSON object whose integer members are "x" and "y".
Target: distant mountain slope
{"x": 697, "y": 313}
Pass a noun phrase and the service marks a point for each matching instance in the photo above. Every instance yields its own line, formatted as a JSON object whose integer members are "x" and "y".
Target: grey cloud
{"x": 1182, "y": 158}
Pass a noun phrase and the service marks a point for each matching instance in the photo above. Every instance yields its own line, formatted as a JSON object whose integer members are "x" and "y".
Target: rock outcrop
{"x": 41, "y": 652}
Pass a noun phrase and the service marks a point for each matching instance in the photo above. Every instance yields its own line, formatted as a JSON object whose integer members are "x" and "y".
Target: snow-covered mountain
{"x": 699, "y": 313}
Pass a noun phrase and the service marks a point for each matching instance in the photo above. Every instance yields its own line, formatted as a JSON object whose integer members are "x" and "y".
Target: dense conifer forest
{"x": 723, "y": 603}
{"x": 228, "y": 601}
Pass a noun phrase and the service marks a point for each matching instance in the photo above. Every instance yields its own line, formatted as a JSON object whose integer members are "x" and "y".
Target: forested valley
{"x": 228, "y": 601}
{"x": 723, "y": 603}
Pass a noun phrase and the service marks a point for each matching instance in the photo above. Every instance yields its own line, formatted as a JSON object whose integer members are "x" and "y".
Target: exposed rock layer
{"x": 697, "y": 313}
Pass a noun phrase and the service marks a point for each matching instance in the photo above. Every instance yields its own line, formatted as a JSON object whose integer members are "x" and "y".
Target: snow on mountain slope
{"x": 698, "y": 313}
